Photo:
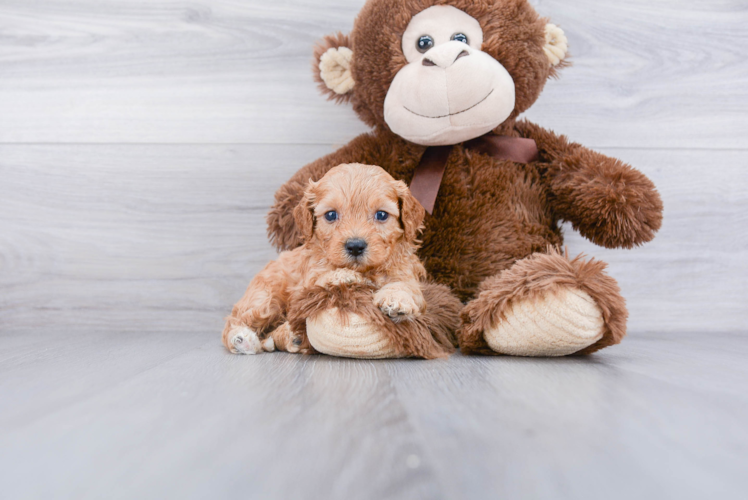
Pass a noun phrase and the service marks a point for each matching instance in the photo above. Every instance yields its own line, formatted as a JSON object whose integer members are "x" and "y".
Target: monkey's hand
{"x": 607, "y": 201}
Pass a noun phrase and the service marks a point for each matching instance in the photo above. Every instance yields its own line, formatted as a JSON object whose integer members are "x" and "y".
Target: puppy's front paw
{"x": 339, "y": 277}
{"x": 397, "y": 304}
{"x": 242, "y": 340}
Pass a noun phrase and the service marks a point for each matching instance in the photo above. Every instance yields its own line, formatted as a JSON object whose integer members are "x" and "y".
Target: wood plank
{"x": 668, "y": 74}
{"x": 656, "y": 417}
{"x": 66, "y": 360}
{"x": 650, "y": 74}
{"x": 630, "y": 423}
{"x": 208, "y": 424}
{"x": 97, "y": 232}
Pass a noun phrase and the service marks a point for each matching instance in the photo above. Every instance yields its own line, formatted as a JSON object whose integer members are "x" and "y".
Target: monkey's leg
{"x": 345, "y": 321}
{"x": 545, "y": 305}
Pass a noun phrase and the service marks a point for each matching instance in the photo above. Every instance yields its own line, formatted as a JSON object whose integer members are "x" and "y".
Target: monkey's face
{"x": 450, "y": 91}
{"x": 441, "y": 72}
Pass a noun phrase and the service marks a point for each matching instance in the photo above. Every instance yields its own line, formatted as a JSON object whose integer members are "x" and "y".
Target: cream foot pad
{"x": 556, "y": 324}
{"x": 357, "y": 339}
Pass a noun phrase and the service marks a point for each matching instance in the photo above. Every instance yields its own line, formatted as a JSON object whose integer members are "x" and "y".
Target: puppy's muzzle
{"x": 355, "y": 246}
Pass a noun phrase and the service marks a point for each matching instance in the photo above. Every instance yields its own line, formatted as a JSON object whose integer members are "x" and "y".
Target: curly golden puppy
{"x": 360, "y": 228}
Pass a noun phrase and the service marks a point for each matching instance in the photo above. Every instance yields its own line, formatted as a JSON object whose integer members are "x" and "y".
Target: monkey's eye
{"x": 460, "y": 37}
{"x": 331, "y": 216}
{"x": 424, "y": 43}
{"x": 381, "y": 216}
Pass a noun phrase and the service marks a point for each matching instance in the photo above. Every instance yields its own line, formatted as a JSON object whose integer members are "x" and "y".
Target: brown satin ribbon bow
{"x": 428, "y": 174}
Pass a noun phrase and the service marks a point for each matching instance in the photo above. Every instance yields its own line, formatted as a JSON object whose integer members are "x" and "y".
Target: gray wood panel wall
{"x": 141, "y": 142}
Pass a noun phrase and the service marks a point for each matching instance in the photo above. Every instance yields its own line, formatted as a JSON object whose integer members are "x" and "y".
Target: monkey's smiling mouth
{"x": 451, "y": 114}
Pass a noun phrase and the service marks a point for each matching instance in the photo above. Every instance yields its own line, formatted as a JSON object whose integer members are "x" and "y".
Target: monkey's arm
{"x": 607, "y": 201}
{"x": 282, "y": 230}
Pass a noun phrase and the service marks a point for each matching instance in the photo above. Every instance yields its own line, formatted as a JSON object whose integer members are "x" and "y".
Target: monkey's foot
{"x": 545, "y": 305}
{"x": 346, "y": 322}
{"x": 348, "y": 335}
{"x": 557, "y": 324}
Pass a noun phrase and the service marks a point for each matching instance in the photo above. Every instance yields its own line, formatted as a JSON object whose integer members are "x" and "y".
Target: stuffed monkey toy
{"x": 443, "y": 83}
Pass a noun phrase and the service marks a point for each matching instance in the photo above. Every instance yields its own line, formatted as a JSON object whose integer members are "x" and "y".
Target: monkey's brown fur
{"x": 494, "y": 220}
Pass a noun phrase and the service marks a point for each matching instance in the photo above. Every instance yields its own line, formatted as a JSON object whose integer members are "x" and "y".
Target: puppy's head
{"x": 359, "y": 216}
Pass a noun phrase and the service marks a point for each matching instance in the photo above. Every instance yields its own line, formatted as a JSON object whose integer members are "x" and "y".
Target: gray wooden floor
{"x": 167, "y": 414}
{"x": 140, "y": 145}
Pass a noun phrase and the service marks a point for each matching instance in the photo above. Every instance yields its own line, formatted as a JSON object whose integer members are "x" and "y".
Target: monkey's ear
{"x": 303, "y": 214}
{"x": 332, "y": 67}
{"x": 411, "y": 212}
{"x": 556, "y": 44}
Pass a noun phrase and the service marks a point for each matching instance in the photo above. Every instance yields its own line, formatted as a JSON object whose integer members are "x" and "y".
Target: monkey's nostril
{"x": 464, "y": 53}
{"x": 355, "y": 246}
{"x": 428, "y": 62}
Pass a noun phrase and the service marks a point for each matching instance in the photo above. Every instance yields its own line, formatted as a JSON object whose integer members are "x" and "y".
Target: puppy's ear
{"x": 303, "y": 214}
{"x": 411, "y": 212}
{"x": 332, "y": 67}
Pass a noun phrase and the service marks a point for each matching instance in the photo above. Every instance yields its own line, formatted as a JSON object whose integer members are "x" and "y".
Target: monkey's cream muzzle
{"x": 455, "y": 98}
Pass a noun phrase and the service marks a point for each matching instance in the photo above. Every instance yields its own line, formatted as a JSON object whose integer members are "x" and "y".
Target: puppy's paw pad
{"x": 398, "y": 305}
{"x": 242, "y": 340}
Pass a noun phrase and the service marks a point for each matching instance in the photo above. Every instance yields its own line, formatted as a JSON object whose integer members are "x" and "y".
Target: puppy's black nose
{"x": 355, "y": 246}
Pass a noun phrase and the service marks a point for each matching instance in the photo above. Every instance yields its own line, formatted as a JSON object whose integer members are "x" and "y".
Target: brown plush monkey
{"x": 442, "y": 83}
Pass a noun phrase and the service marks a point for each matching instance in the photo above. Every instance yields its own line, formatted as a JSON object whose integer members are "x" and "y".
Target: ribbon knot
{"x": 427, "y": 177}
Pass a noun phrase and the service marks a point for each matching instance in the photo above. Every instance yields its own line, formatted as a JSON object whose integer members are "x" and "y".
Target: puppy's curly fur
{"x": 385, "y": 283}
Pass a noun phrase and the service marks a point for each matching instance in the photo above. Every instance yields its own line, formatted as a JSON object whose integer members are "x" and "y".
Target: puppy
{"x": 359, "y": 226}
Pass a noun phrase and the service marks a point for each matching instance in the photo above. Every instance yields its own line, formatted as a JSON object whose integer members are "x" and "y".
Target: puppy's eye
{"x": 381, "y": 216}
{"x": 460, "y": 37}
{"x": 331, "y": 216}
{"x": 424, "y": 43}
